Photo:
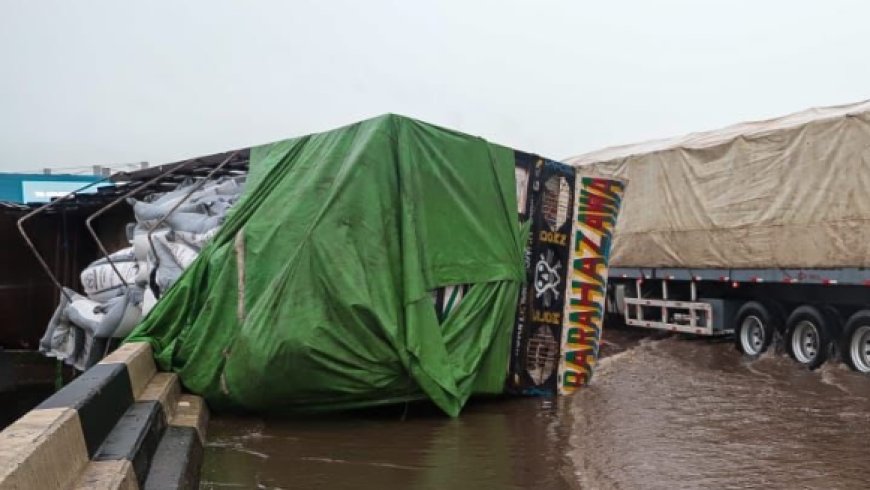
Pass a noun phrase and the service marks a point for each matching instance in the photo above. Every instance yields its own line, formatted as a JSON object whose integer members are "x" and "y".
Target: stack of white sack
{"x": 118, "y": 294}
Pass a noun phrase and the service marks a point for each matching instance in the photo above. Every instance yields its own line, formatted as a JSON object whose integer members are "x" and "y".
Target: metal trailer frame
{"x": 828, "y": 277}
{"x": 691, "y": 316}
{"x": 837, "y": 299}
{"x": 699, "y": 316}
{"x": 45, "y": 207}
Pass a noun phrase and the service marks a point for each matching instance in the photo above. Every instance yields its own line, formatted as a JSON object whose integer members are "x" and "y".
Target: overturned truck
{"x": 391, "y": 261}
{"x": 383, "y": 262}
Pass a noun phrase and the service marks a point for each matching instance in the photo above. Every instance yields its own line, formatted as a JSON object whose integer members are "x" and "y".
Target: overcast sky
{"x": 109, "y": 82}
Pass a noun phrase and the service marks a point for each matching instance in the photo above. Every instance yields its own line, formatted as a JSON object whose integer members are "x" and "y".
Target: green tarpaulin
{"x": 316, "y": 293}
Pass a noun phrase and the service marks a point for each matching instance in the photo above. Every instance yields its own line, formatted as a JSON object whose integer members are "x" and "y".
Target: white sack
{"x": 100, "y": 282}
{"x": 195, "y": 240}
{"x": 193, "y": 223}
{"x": 172, "y": 259}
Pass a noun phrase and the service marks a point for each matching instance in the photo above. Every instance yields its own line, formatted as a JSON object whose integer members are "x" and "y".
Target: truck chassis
{"x": 820, "y": 314}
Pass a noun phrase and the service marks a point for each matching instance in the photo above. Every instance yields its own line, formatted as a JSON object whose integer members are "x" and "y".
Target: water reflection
{"x": 495, "y": 444}
{"x": 693, "y": 414}
{"x": 667, "y": 413}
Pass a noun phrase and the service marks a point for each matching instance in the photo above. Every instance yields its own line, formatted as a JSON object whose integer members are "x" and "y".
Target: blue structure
{"x": 41, "y": 188}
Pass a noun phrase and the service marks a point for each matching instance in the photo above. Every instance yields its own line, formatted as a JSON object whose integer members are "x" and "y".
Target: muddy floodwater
{"x": 664, "y": 412}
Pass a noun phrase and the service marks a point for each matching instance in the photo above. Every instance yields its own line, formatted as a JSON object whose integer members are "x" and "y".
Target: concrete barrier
{"x": 105, "y": 429}
{"x": 107, "y": 474}
{"x": 43, "y": 449}
{"x": 179, "y": 457}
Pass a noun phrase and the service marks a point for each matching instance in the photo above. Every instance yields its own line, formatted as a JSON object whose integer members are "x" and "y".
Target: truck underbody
{"x": 820, "y": 315}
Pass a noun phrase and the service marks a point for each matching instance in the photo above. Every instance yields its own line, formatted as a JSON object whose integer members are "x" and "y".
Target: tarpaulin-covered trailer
{"x": 336, "y": 281}
{"x": 786, "y": 193}
{"x": 756, "y": 228}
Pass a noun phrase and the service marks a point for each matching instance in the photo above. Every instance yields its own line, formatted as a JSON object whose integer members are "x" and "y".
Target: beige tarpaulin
{"x": 786, "y": 192}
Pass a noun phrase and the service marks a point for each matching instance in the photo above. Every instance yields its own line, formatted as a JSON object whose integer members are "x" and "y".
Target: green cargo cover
{"x": 316, "y": 293}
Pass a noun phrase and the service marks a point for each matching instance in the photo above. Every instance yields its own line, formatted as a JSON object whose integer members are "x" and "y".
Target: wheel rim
{"x": 752, "y": 335}
{"x": 859, "y": 349}
{"x": 805, "y": 342}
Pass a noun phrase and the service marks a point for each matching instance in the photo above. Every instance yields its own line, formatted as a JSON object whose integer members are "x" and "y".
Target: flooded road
{"x": 667, "y": 412}
{"x": 676, "y": 413}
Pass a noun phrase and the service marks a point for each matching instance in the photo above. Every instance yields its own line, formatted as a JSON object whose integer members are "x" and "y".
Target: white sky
{"x": 110, "y": 82}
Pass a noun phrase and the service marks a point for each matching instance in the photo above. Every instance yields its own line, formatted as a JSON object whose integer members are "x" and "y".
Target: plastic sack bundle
{"x": 195, "y": 240}
{"x": 79, "y": 322}
{"x": 216, "y": 205}
{"x": 100, "y": 281}
{"x": 316, "y": 292}
{"x": 149, "y": 214}
{"x": 172, "y": 259}
{"x": 193, "y": 222}
{"x": 179, "y": 223}
{"x": 115, "y": 318}
{"x": 58, "y": 340}
{"x": 124, "y": 286}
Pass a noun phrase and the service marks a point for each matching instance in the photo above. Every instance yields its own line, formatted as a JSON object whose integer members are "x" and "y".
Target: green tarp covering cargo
{"x": 389, "y": 261}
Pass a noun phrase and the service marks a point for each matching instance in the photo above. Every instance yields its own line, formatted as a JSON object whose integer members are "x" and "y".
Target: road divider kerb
{"x": 60, "y": 444}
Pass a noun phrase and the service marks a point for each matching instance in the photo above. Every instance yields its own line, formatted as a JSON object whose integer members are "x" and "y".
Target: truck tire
{"x": 855, "y": 346}
{"x": 808, "y": 337}
{"x": 754, "y": 326}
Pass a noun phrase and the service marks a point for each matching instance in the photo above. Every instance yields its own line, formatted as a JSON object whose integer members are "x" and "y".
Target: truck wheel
{"x": 856, "y": 342}
{"x": 808, "y": 337}
{"x": 754, "y": 327}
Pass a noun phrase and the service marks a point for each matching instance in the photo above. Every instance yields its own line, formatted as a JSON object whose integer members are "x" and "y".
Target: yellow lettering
{"x": 551, "y": 317}
{"x": 553, "y": 237}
